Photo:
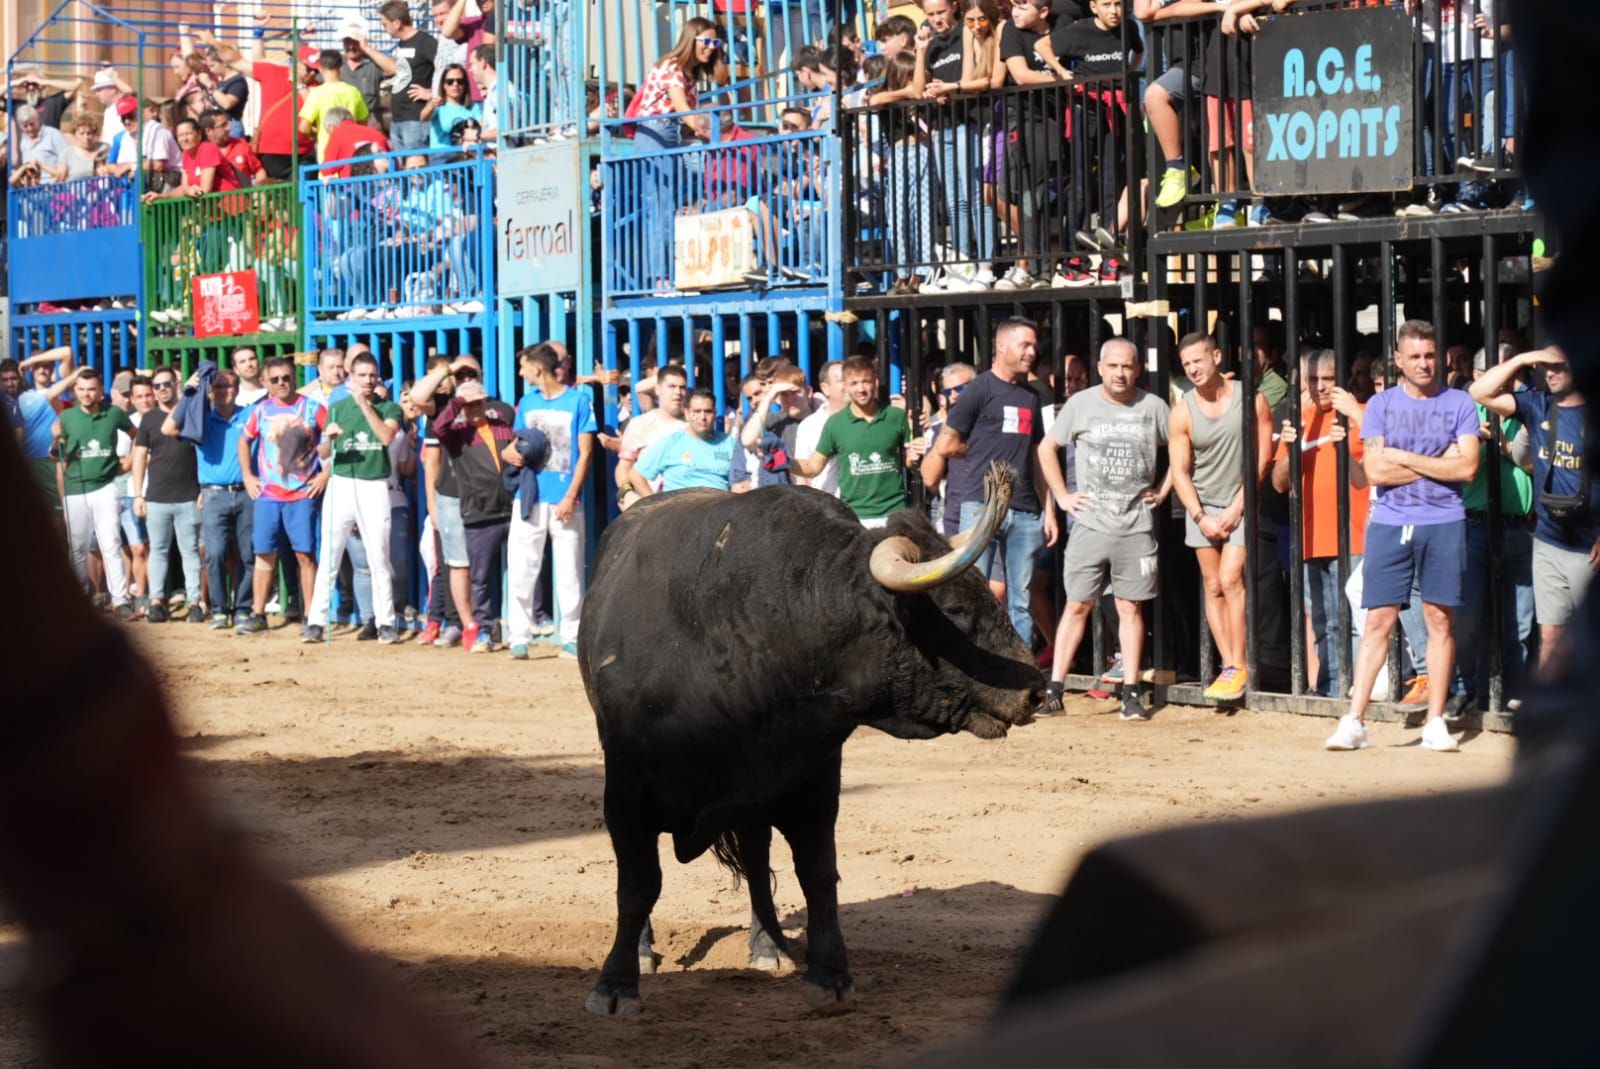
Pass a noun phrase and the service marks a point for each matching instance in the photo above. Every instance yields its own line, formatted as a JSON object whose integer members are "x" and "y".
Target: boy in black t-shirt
{"x": 411, "y": 72}
{"x": 1032, "y": 139}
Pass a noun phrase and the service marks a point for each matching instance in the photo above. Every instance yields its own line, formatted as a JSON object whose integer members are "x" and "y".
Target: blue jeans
{"x": 166, "y": 521}
{"x": 362, "y": 575}
{"x": 658, "y": 202}
{"x": 1021, "y": 535}
{"x": 971, "y": 221}
{"x": 410, "y": 135}
{"x": 226, "y": 517}
{"x": 1322, "y": 595}
{"x": 1516, "y": 608}
{"x": 910, "y": 213}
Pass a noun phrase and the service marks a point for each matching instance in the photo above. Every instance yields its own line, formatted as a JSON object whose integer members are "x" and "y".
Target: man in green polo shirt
{"x": 360, "y": 427}
{"x": 871, "y": 442}
{"x": 87, "y": 466}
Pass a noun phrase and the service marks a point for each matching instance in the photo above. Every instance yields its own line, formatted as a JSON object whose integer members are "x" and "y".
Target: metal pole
{"x": 1343, "y": 321}
{"x": 1297, "y": 610}
{"x": 1252, "y": 483}
{"x": 1496, "y": 606}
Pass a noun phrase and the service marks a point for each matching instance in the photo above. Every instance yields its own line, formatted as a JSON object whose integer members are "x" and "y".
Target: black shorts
{"x": 279, "y": 167}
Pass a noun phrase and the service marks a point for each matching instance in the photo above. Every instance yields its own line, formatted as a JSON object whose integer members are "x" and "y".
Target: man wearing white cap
{"x": 107, "y": 87}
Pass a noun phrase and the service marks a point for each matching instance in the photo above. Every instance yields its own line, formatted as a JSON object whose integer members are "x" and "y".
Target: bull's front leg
{"x": 807, "y": 821}
{"x": 638, "y": 887}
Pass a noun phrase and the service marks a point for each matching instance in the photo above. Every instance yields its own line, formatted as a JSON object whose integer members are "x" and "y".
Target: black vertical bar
{"x": 1496, "y": 608}
{"x": 1343, "y": 321}
{"x": 1297, "y": 597}
{"x": 1389, "y": 329}
{"x": 1252, "y": 484}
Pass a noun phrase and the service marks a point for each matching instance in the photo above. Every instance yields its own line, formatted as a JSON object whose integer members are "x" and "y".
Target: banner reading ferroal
{"x": 1334, "y": 102}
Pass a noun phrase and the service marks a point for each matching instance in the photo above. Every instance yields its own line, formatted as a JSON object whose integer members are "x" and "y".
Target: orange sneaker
{"x": 1416, "y": 695}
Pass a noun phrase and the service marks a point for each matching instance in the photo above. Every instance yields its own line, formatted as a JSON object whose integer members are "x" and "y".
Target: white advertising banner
{"x": 541, "y": 204}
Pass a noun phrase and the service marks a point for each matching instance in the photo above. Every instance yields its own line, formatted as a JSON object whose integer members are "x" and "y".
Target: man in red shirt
{"x": 348, "y": 139}
{"x": 277, "y": 136}
{"x": 236, "y": 150}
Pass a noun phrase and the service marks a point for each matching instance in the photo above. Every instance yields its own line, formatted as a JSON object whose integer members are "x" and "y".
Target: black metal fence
{"x": 941, "y": 195}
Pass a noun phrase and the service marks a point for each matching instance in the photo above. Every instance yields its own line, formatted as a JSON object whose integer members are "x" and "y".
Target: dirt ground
{"x": 444, "y": 811}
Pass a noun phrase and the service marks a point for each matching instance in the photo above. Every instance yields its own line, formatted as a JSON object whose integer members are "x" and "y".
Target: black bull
{"x": 730, "y": 645}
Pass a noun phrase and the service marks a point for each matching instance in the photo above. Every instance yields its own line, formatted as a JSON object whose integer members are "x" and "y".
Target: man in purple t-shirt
{"x": 1421, "y": 447}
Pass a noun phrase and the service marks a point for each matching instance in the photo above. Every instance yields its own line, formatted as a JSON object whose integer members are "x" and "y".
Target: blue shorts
{"x": 134, "y": 532}
{"x": 1431, "y": 556}
{"x": 294, "y": 520}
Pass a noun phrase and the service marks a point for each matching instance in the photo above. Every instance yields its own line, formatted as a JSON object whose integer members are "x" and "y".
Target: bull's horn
{"x": 894, "y": 561}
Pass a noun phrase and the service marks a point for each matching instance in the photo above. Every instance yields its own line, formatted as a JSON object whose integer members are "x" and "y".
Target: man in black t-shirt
{"x": 997, "y": 418}
{"x": 1032, "y": 140}
{"x": 410, "y": 73}
{"x": 166, "y": 495}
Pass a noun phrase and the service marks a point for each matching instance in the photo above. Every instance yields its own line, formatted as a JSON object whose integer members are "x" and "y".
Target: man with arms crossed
{"x": 1207, "y": 436}
{"x": 1115, "y": 432}
{"x": 1421, "y": 443}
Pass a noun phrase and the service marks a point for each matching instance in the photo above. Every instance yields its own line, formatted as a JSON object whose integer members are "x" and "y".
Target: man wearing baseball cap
{"x": 474, "y": 431}
{"x": 160, "y": 149}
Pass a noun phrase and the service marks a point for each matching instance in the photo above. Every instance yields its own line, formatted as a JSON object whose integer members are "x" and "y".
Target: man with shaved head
{"x": 1116, "y": 432}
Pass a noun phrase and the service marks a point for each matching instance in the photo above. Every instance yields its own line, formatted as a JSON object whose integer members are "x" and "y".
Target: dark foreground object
{"x": 730, "y": 645}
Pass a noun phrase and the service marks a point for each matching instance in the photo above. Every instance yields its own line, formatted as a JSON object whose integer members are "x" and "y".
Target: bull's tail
{"x": 729, "y": 855}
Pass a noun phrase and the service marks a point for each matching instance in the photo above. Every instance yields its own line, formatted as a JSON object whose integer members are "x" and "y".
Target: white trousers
{"x": 346, "y": 505}
{"x": 524, "y": 553}
{"x": 96, "y": 517}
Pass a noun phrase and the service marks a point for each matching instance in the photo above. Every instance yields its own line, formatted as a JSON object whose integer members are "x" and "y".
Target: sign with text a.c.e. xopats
{"x": 541, "y": 203}
{"x": 1333, "y": 99}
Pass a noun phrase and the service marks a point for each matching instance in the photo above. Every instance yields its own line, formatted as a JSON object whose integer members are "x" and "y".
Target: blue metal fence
{"x": 105, "y": 340}
{"x": 403, "y": 242}
{"x": 74, "y": 240}
{"x": 751, "y": 162}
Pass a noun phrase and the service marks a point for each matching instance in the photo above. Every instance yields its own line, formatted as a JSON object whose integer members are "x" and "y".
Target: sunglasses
{"x": 455, "y": 81}
{"x": 464, "y": 375}
{"x": 953, "y": 392}
{"x": 278, "y": 380}
{"x": 164, "y": 384}
{"x": 709, "y": 42}
{"x": 976, "y": 20}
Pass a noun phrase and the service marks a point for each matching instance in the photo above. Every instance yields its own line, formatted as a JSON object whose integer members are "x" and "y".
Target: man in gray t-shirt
{"x": 1116, "y": 431}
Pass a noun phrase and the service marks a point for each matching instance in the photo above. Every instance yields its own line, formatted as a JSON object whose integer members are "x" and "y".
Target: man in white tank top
{"x": 1207, "y": 448}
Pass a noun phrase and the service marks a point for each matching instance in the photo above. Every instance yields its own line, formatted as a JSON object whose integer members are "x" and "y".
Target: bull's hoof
{"x": 828, "y": 999}
{"x": 648, "y": 963}
{"x": 771, "y": 961}
{"x": 610, "y": 1004}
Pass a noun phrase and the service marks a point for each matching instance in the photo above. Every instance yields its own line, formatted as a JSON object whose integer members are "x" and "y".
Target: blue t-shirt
{"x": 217, "y": 459}
{"x": 1556, "y": 432}
{"x": 38, "y": 415}
{"x": 1426, "y": 426}
{"x": 447, "y": 116}
{"x": 10, "y": 412}
{"x": 681, "y": 460}
{"x": 562, "y": 419}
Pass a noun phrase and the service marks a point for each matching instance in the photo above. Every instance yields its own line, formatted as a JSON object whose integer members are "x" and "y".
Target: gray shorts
{"x": 1560, "y": 576}
{"x": 1195, "y": 540}
{"x": 452, "y": 535}
{"x": 1130, "y": 558}
{"x": 1178, "y": 86}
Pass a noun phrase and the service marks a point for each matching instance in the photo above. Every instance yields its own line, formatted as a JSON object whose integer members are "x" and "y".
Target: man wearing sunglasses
{"x": 166, "y": 486}
{"x": 278, "y": 460}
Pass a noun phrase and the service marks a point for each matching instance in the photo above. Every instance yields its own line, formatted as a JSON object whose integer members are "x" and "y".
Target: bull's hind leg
{"x": 769, "y": 950}
{"x": 807, "y": 820}
{"x": 638, "y": 887}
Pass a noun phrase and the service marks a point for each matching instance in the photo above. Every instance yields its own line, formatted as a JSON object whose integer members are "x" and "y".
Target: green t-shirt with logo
{"x": 1516, "y": 485}
{"x": 89, "y": 446}
{"x": 357, "y": 453}
{"x": 872, "y": 459}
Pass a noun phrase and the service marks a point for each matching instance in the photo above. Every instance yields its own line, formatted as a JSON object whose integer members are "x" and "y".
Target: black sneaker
{"x": 1133, "y": 708}
{"x": 310, "y": 634}
{"x": 386, "y": 636}
{"x": 368, "y": 632}
{"x": 254, "y": 624}
{"x": 1054, "y": 699}
{"x": 124, "y": 611}
{"x": 157, "y": 613}
{"x": 197, "y": 615}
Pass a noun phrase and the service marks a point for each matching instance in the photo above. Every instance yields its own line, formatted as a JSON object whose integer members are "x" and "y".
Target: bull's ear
{"x": 896, "y": 562}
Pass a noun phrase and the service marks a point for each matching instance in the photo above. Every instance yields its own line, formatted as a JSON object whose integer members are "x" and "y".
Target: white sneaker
{"x": 984, "y": 279}
{"x": 469, "y": 307}
{"x": 1351, "y": 734}
{"x": 1436, "y": 736}
{"x": 1015, "y": 279}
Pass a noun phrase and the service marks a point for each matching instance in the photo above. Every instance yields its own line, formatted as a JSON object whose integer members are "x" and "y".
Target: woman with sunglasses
{"x": 452, "y": 105}
{"x": 669, "y": 90}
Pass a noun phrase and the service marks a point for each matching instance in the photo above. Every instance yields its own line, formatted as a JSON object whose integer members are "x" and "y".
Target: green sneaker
{"x": 1175, "y": 186}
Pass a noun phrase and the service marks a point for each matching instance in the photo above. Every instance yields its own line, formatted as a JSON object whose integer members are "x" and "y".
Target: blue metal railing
{"x": 404, "y": 242}
{"x": 70, "y": 207}
{"x": 73, "y": 240}
{"x": 782, "y": 179}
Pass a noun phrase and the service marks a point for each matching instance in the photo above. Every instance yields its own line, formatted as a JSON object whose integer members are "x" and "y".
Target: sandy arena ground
{"x": 445, "y": 812}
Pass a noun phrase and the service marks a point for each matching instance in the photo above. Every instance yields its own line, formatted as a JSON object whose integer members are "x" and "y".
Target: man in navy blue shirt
{"x": 1566, "y": 537}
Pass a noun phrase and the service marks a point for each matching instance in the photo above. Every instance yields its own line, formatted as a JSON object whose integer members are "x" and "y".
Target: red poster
{"x": 226, "y": 304}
